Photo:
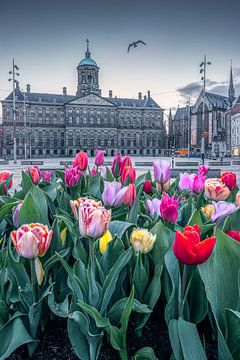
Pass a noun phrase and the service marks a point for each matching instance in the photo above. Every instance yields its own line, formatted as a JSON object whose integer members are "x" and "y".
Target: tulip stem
{"x": 91, "y": 248}
{"x": 33, "y": 279}
{"x": 184, "y": 286}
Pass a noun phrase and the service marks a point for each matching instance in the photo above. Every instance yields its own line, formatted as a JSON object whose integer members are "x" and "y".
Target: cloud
{"x": 191, "y": 90}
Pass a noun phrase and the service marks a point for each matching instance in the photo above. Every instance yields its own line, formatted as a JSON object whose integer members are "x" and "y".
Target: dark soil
{"x": 55, "y": 344}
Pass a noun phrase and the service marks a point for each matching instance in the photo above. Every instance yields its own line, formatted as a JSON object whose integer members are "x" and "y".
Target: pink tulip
{"x": 93, "y": 171}
{"x": 113, "y": 194}
{"x": 198, "y": 183}
{"x": 202, "y": 170}
{"x": 93, "y": 220}
{"x": 99, "y": 159}
{"x": 72, "y": 175}
{"x": 117, "y": 165}
{"x": 3, "y": 177}
{"x": 35, "y": 174}
{"x": 169, "y": 208}
{"x": 130, "y": 195}
{"x": 32, "y": 240}
{"x": 161, "y": 170}
{"x": 81, "y": 161}
{"x": 47, "y": 176}
{"x": 186, "y": 181}
{"x": 75, "y": 204}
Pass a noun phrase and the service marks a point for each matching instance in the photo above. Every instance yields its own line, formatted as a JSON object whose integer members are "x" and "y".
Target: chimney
{"x": 110, "y": 93}
{"x": 145, "y": 97}
{"x": 64, "y": 91}
{"x": 148, "y": 93}
{"x": 140, "y": 96}
{"x": 28, "y": 87}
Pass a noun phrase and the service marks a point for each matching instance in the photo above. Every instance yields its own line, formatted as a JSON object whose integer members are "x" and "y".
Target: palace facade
{"x": 57, "y": 125}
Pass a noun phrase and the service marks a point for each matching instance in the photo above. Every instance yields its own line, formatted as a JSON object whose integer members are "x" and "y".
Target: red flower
{"x": 233, "y": 234}
{"x": 130, "y": 195}
{"x": 35, "y": 174}
{"x": 3, "y": 177}
{"x": 169, "y": 208}
{"x": 229, "y": 179}
{"x": 117, "y": 165}
{"x": 126, "y": 161}
{"x": 188, "y": 247}
{"x": 147, "y": 186}
{"x": 128, "y": 172}
{"x": 81, "y": 161}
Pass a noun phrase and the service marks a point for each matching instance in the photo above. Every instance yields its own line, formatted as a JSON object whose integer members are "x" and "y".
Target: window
{"x": 112, "y": 142}
{"x": 84, "y": 142}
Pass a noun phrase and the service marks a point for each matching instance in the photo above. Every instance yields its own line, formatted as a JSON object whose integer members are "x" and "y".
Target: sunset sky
{"x": 47, "y": 40}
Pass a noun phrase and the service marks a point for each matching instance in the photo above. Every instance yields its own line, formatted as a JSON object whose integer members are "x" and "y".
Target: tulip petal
{"x": 182, "y": 249}
{"x": 38, "y": 270}
{"x": 204, "y": 249}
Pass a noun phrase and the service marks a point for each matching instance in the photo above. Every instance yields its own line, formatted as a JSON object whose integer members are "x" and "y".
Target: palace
{"x": 56, "y": 125}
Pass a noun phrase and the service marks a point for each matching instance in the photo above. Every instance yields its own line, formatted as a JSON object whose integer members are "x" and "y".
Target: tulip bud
{"x": 99, "y": 159}
{"x": 208, "y": 210}
{"x": 142, "y": 240}
{"x": 117, "y": 165}
{"x": 130, "y": 195}
{"x": 198, "y": 183}
{"x": 169, "y": 208}
{"x": 35, "y": 174}
{"x": 104, "y": 241}
{"x": 3, "y": 177}
{"x": 72, "y": 175}
{"x": 234, "y": 235}
{"x": 128, "y": 173}
{"x": 186, "y": 181}
{"x": 161, "y": 171}
{"x": 126, "y": 161}
{"x": 81, "y": 161}
{"x": 47, "y": 176}
{"x": 15, "y": 216}
{"x": 147, "y": 186}
{"x": 229, "y": 179}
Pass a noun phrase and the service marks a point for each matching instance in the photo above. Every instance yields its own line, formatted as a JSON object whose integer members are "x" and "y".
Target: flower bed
{"x": 110, "y": 258}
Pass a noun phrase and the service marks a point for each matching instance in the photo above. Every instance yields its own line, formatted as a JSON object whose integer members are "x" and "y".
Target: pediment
{"x": 91, "y": 99}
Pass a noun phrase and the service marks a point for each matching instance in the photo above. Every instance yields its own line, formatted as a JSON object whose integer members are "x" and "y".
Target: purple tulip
{"x": 198, "y": 183}
{"x": 47, "y": 176}
{"x": 99, "y": 158}
{"x": 222, "y": 209}
{"x": 161, "y": 170}
{"x": 72, "y": 175}
{"x": 202, "y": 170}
{"x": 186, "y": 181}
{"x": 169, "y": 208}
{"x": 15, "y": 216}
{"x": 153, "y": 206}
{"x": 113, "y": 193}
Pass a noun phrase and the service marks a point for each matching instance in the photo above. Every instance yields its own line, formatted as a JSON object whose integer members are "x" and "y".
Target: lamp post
{"x": 25, "y": 123}
{"x": 14, "y": 73}
{"x": 203, "y": 67}
{"x": 189, "y": 126}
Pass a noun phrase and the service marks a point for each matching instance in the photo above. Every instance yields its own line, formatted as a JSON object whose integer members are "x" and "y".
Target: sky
{"x": 48, "y": 39}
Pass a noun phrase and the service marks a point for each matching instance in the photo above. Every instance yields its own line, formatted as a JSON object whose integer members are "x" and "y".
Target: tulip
{"x": 99, "y": 158}
{"x": 208, "y": 210}
{"x": 238, "y": 199}
{"x": 93, "y": 220}
{"x": 81, "y": 161}
{"x": 75, "y": 204}
{"x": 93, "y": 171}
{"x": 161, "y": 170}
{"x": 147, "y": 186}
{"x": 234, "y": 234}
{"x": 229, "y": 179}
{"x": 32, "y": 240}
{"x": 117, "y": 165}
{"x": 142, "y": 240}
{"x": 221, "y": 210}
{"x": 153, "y": 206}
{"x": 202, "y": 170}
{"x": 186, "y": 181}
{"x": 128, "y": 173}
{"x": 169, "y": 208}
{"x": 35, "y": 174}
{"x": 72, "y": 175}
{"x": 188, "y": 247}
{"x": 130, "y": 195}
{"x": 15, "y": 216}
{"x": 3, "y": 177}
{"x": 104, "y": 241}
{"x": 198, "y": 183}
{"x": 47, "y": 176}
{"x": 126, "y": 161}
{"x": 216, "y": 190}
{"x": 113, "y": 194}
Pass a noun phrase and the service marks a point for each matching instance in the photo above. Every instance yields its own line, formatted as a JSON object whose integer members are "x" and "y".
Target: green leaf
{"x": 134, "y": 211}
{"x": 119, "y": 227}
{"x": 145, "y": 353}
{"x": 26, "y": 182}
{"x": 94, "y": 186}
{"x": 34, "y": 208}
{"x": 5, "y": 209}
{"x": 114, "y": 314}
{"x": 140, "y": 277}
{"x": 59, "y": 309}
{"x": 126, "y": 315}
{"x": 233, "y": 321}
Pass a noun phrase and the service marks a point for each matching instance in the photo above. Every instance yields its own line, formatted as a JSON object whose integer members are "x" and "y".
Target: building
{"x": 233, "y": 118}
{"x": 180, "y": 127}
{"x": 61, "y": 124}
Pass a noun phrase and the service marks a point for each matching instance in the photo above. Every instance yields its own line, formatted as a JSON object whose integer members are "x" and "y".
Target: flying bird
{"x": 135, "y": 44}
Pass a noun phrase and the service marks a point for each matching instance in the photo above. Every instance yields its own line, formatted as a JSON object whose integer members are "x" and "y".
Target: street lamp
{"x": 14, "y": 73}
{"x": 25, "y": 123}
{"x": 203, "y": 67}
{"x": 189, "y": 126}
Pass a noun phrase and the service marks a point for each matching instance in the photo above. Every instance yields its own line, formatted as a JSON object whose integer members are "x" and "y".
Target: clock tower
{"x": 88, "y": 75}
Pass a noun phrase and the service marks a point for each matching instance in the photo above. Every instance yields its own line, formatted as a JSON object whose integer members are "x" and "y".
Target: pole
{"x": 14, "y": 118}
{"x": 203, "y": 117}
{"x": 189, "y": 128}
{"x": 25, "y": 126}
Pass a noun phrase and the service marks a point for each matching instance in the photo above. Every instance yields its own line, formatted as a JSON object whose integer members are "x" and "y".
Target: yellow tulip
{"x": 142, "y": 240}
{"x": 103, "y": 241}
{"x": 208, "y": 210}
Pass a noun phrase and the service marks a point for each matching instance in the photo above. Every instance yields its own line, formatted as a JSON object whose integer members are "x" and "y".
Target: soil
{"x": 55, "y": 344}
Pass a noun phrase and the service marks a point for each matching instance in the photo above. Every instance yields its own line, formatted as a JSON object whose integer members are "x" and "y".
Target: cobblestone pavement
{"x": 54, "y": 163}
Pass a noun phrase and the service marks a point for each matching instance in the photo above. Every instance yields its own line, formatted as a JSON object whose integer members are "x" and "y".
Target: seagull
{"x": 135, "y": 44}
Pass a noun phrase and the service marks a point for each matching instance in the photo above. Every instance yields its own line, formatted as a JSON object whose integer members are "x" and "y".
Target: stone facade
{"x": 61, "y": 124}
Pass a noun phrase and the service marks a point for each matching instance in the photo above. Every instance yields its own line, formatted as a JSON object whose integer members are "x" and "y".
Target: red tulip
{"x": 234, "y": 234}
{"x": 3, "y": 177}
{"x": 130, "y": 195}
{"x": 147, "y": 186}
{"x": 169, "y": 208}
{"x": 35, "y": 174}
{"x": 81, "y": 161}
{"x": 126, "y": 161}
{"x": 128, "y": 172}
{"x": 117, "y": 165}
{"x": 188, "y": 247}
{"x": 229, "y": 179}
